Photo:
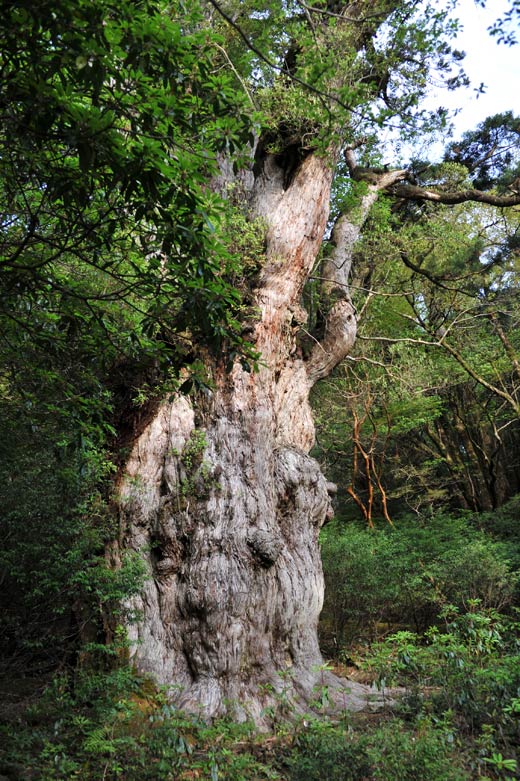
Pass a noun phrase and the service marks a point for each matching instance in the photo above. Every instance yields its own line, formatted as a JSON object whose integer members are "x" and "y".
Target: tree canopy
{"x": 112, "y": 116}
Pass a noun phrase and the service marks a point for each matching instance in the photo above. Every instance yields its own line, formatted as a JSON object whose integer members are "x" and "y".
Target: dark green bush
{"x": 504, "y": 524}
{"x": 401, "y": 754}
{"x": 55, "y": 520}
{"x": 467, "y": 671}
{"x": 392, "y": 752}
{"x": 403, "y": 576}
{"x": 114, "y": 725}
{"x": 324, "y": 751}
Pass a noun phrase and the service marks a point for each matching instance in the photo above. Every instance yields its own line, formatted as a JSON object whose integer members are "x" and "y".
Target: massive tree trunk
{"x": 223, "y": 502}
{"x": 220, "y": 495}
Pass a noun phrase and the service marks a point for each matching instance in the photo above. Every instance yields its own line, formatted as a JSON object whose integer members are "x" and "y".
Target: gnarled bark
{"x": 223, "y": 502}
{"x": 220, "y": 495}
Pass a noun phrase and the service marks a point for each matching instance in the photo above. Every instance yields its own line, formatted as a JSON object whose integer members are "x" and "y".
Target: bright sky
{"x": 496, "y": 65}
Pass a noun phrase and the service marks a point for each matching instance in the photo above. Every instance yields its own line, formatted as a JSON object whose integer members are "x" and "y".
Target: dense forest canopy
{"x": 200, "y": 231}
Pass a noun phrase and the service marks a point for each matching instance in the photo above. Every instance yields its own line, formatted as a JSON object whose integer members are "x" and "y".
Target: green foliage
{"x": 470, "y": 668}
{"x": 246, "y": 242}
{"x": 405, "y": 575}
{"x": 113, "y": 117}
{"x": 114, "y": 725}
{"x": 56, "y": 521}
{"x": 391, "y": 751}
{"x": 292, "y": 118}
{"x": 197, "y": 472}
{"x": 501, "y": 27}
{"x": 193, "y": 449}
{"x": 498, "y": 132}
{"x": 323, "y": 751}
{"x": 504, "y": 524}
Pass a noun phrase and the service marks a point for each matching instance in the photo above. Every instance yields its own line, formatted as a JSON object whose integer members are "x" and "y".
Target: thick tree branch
{"x": 341, "y": 326}
{"x": 412, "y": 192}
{"x": 340, "y": 335}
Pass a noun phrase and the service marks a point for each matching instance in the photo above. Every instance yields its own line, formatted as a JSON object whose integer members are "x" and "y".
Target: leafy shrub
{"x": 54, "y": 523}
{"x": 115, "y": 725}
{"x": 504, "y": 524}
{"x": 325, "y": 751}
{"x": 403, "y": 576}
{"x": 391, "y": 751}
{"x": 401, "y": 754}
{"x": 468, "y": 672}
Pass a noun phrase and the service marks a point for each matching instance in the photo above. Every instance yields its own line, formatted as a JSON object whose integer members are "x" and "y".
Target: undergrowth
{"x": 109, "y": 726}
{"x": 456, "y": 657}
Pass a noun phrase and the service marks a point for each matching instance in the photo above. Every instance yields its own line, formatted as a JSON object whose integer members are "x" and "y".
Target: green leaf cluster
{"x": 113, "y": 115}
{"x": 406, "y": 574}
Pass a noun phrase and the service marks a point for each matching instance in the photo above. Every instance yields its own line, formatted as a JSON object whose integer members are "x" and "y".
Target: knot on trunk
{"x": 265, "y": 546}
{"x": 302, "y": 493}
{"x": 167, "y": 566}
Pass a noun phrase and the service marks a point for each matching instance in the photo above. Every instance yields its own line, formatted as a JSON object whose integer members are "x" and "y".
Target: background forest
{"x": 123, "y": 271}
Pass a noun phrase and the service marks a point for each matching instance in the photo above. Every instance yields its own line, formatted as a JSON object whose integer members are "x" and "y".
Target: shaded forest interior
{"x": 253, "y": 374}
